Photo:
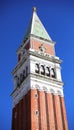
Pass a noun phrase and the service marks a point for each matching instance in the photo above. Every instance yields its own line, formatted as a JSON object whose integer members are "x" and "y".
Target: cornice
{"x": 39, "y": 77}
{"x": 47, "y": 79}
{"x": 42, "y": 39}
{"x": 45, "y": 56}
{"x": 38, "y": 82}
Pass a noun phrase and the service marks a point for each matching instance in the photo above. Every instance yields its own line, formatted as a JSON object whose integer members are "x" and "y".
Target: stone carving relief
{"x": 42, "y": 48}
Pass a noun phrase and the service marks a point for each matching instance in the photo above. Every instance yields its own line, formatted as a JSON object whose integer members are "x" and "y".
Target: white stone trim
{"x": 46, "y": 86}
{"x": 33, "y": 83}
{"x": 42, "y": 41}
{"x": 18, "y": 94}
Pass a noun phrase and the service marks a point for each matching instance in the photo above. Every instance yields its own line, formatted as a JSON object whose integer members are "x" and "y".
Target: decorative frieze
{"x": 31, "y": 83}
{"x": 45, "y": 56}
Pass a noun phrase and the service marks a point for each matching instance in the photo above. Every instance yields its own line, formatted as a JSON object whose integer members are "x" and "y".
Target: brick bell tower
{"x": 38, "y": 99}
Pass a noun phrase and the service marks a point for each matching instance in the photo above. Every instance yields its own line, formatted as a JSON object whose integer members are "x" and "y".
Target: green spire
{"x": 36, "y": 28}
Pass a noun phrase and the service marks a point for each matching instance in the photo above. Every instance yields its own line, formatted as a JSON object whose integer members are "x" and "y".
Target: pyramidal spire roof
{"x": 36, "y": 27}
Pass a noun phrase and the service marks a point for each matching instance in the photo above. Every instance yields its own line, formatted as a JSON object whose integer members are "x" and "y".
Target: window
{"x": 15, "y": 81}
{"x": 26, "y": 71}
{"x": 36, "y": 95}
{"x": 24, "y": 74}
{"x": 52, "y": 73}
{"x": 19, "y": 57}
{"x": 21, "y": 77}
{"x": 42, "y": 69}
{"x": 18, "y": 81}
{"x": 24, "y": 51}
{"x": 37, "y": 112}
{"x": 27, "y": 46}
{"x": 37, "y": 68}
{"x": 47, "y": 71}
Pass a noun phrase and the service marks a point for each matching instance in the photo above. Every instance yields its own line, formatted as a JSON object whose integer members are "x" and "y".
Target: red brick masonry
{"x": 35, "y": 44}
{"x": 39, "y": 110}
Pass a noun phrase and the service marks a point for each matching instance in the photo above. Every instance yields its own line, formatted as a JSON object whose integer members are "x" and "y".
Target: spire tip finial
{"x": 34, "y": 9}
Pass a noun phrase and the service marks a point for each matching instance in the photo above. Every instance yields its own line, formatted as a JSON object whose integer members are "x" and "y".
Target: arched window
{"x": 42, "y": 69}
{"x": 37, "y": 68}
{"x": 26, "y": 71}
{"x": 47, "y": 71}
{"x": 15, "y": 81}
{"x": 18, "y": 81}
{"x": 19, "y": 57}
{"x": 27, "y": 46}
{"x": 52, "y": 73}
{"x": 24, "y": 51}
{"x": 21, "y": 77}
{"x": 24, "y": 74}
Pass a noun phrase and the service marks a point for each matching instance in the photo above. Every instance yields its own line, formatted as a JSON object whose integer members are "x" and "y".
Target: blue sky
{"x": 58, "y": 19}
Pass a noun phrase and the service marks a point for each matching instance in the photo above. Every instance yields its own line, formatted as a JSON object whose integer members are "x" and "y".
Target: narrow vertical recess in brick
{"x": 42, "y": 111}
{"x": 26, "y": 99}
{"x": 65, "y": 123}
{"x": 28, "y": 111}
{"x": 58, "y": 113}
{"x": 13, "y": 119}
{"x": 19, "y": 116}
{"x": 34, "y": 108}
{"x": 53, "y": 96}
{"x": 24, "y": 113}
{"x": 47, "y": 111}
{"x": 62, "y": 113}
{"x": 39, "y": 111}
{"x": 50, "y": 109}
{"x": 16, "y": 117}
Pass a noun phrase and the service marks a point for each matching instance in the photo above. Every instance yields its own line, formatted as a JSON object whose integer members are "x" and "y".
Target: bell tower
{"x": 38, "y": 99}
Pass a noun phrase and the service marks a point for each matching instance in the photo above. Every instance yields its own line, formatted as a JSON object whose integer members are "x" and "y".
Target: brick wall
{"x": 35, "y": 44}
{"x": 39, "y": 110}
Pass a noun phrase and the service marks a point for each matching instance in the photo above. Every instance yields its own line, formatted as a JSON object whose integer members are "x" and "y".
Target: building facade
{"x": 38, "y": 99}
